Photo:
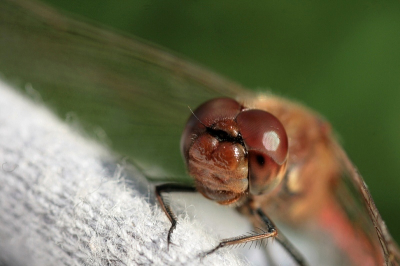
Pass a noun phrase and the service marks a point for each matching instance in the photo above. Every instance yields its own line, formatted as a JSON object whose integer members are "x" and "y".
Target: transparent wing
{"x": 353, "y": 196}
{"x": 136, "y": 92}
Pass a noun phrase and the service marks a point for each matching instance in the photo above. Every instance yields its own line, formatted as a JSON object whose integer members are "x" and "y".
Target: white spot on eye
{"x": 271, "y": 140}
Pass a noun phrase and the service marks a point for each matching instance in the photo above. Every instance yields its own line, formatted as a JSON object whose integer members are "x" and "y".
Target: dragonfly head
{"x": 231, "y": 151}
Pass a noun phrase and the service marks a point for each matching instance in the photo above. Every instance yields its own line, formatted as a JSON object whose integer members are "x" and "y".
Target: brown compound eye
{"x": 267, "y": 144}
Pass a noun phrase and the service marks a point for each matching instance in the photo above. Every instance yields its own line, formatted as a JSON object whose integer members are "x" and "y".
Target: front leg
{"x": 270, "y": 232}
{"x": 170, "y": 188}
{"x": 283, "y": 241}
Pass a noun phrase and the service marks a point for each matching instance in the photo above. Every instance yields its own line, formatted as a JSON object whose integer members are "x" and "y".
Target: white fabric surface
{"x": 64, "y": 200}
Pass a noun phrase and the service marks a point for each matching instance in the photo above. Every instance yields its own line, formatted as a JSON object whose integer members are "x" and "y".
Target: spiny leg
{"x": 270, "y": 232}
{"x": 170, "y": 188}
{"x": 283, "y": 241}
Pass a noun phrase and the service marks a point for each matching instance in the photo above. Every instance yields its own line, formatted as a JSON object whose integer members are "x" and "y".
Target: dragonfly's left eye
{"x": 267, "y": 144}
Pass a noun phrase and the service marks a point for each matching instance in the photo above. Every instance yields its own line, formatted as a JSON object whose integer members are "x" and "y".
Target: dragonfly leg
{"x": 170, "y": 188}
{"x": 270, "y": 232}
{"x": 283, "y": 241}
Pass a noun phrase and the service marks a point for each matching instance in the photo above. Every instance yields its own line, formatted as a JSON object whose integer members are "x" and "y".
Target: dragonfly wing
{"x": 355, "y": 199}
{"x": 134, "y": 91}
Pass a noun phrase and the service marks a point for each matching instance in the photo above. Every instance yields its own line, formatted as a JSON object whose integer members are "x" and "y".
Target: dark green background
{"x": 340, "y": 57}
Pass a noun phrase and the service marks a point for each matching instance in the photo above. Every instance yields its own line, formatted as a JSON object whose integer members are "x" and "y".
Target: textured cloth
{"x": 65, "y": 200}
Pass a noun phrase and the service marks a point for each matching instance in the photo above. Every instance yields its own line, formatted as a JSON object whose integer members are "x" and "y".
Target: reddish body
{"x": 308, "y": 182}
{"x": 308, "y": 194}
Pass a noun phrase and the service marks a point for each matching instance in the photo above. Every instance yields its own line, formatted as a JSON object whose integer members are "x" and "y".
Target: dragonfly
{"x": 109, "y": 80}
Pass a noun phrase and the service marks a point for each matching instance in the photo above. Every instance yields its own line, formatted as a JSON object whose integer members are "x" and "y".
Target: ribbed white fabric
{"x": 64, "y": 200}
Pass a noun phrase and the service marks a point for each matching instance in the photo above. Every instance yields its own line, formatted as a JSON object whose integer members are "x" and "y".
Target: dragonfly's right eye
{"x": 267, "y": 145}
{"x": 260, "y": 160}
{"x": 264, "y": 173}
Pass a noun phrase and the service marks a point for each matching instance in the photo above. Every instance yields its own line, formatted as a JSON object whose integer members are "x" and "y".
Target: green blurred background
{"x": 340, "y": 57}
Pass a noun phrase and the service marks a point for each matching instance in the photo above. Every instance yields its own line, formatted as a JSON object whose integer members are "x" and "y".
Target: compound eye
{"x": 264, "y": 173}
{"x": 263, "y": 132}
{"x": 260, "y": 164}
{"x": 267, "y": 144}
{"x": 215, "y": 110}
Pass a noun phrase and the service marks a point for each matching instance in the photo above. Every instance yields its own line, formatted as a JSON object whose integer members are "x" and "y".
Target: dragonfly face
{"x": 231, "y": 151}
{"x": 111, "y": 80}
